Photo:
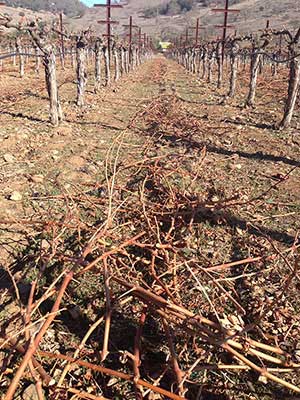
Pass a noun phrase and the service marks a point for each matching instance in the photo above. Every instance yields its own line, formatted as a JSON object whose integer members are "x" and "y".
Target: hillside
{"x": 69, "y": 7}
{"x": 168, "y": 17}
{"x": 17, "y": 14}
{"x": 163, "y": 19}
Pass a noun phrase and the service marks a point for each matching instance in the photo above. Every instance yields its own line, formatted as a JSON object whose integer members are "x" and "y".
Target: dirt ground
{"x": 223, "y": 163}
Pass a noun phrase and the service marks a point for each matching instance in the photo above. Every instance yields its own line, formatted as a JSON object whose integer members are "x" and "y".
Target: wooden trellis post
{"x": 197, "y": 31}
{"x": 140, "y": 38}
{"x": 109, "y": 5}
{"x": 131, "y": 27}
{"x": 225, "y": 25}
{"x": 138, "y": 52}
{"x": 186, "y": 36}
{"x": 130, "y": 36}
{"x": 196, "y": 44}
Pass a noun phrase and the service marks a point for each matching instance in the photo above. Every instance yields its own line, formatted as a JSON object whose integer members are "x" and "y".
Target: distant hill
{"x": 68, "y": 7}
{"x": 165, "y": 19}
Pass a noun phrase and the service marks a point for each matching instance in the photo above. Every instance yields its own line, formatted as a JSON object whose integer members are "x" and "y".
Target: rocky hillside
{"x": 18, "y": 13}
{"x": 163, "y": 19}
{"x": 69, "y": 7}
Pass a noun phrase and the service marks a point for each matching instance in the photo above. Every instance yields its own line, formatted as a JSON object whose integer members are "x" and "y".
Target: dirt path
{"x": 244, "y": 157}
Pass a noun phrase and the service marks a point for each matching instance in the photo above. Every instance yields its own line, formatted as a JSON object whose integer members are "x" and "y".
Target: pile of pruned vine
{"x": 120, "y": 301}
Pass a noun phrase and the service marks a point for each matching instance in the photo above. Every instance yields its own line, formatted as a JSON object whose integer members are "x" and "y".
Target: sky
{"x": 88, "y": 2}
{"x": 92, "y": 2}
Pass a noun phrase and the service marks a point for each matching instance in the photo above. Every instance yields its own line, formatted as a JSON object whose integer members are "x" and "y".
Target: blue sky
{"x": 88, "y": 2}
{"x": 92, "y": 2}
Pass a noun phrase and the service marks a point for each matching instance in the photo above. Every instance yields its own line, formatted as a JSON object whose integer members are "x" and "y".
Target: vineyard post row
{"x": 258, "y": 49}
{"x": 45, "y": 42}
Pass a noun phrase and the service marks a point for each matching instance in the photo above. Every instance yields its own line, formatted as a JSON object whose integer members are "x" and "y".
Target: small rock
{"x": 9, "y": 158}
{"x": 112, "y": 381}
{"x": 154, "y": 396}
{"x": 55, "y": 155}
{"x": 239, "y": 231}
{"x": 15, "y": 196}
{"x": 37, "y": 178}
{"x": 215, "y": 199}
{"x": 45, "y": 245}
{"x": 30, "y": 393}
{"x": 238, "y": 166}
{"x": 263, "y": 379}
